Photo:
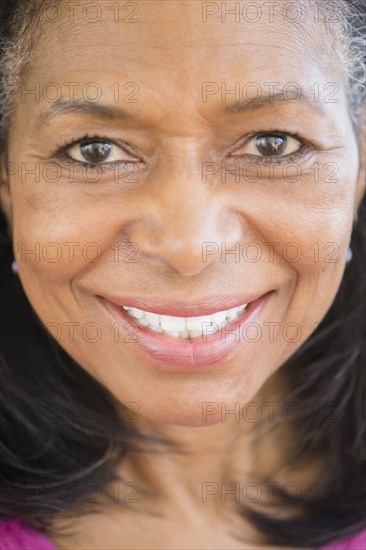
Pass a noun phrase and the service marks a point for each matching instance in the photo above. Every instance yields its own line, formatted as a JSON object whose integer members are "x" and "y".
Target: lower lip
{"x": 202, "y": 352}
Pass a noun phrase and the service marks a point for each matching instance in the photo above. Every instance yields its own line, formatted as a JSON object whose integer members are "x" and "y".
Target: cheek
{"x": 59, "y": 239}
{"x": 315, "y": 243}
{"x": 311, "y": 220}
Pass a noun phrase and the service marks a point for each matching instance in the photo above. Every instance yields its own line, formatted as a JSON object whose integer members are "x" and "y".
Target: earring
{"x": 349, "y": 255}
{"x": 14, "y": 267}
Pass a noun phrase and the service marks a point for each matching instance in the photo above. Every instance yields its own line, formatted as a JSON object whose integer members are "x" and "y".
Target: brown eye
{"x": 96, "y": 152}
{"x": 269, "y": 145}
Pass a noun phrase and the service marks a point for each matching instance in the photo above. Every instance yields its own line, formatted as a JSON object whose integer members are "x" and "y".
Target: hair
{"x": 49, "y": 451}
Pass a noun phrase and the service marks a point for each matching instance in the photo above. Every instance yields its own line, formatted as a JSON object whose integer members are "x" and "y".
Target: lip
{"x": 199, "y": 353}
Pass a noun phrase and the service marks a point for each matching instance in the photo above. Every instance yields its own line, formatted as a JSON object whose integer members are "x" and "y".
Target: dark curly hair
{"x": 49, "y": 450}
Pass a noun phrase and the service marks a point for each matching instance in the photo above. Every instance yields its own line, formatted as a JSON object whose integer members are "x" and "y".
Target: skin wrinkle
{"x": 177, "y": 141}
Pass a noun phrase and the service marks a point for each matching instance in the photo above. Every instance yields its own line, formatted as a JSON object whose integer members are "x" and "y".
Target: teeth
{"x": 195, "y": 333}
{"x": 185, "y": 327}
{"x": 196, "y": 323}
{"x": 172, "y": 333}
{"x": 231, "y": 312}
{"x": 175, "y": 324}
{"x": 155, "y": 328}
{"x": 219, "y": 317}
{"x": 234, "y": 313}
{"x": 153, "y": 318}
{"x": 137, "y": 313}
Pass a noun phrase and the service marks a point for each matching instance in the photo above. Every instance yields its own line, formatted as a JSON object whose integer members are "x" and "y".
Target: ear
{"x": 5, "y": 194}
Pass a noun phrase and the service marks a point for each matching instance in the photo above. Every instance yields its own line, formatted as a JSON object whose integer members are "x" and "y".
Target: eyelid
{"x": 306, "y": 144}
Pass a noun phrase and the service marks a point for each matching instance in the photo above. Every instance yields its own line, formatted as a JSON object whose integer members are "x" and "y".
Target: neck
{"x": 207, "y": 456}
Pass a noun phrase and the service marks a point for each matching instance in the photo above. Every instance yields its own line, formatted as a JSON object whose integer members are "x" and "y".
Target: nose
{"x": 184, "y": 219}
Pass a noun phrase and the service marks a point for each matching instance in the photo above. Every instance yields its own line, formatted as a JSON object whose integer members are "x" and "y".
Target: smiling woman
{"x": 182, "y": 275}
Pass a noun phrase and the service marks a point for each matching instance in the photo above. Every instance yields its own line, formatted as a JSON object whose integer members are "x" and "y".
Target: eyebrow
{"x": 63, "y": 106}
{"x": 263, "y": 101}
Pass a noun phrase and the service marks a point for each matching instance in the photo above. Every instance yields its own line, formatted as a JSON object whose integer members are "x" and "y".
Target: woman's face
{"x": 200, "y": 198}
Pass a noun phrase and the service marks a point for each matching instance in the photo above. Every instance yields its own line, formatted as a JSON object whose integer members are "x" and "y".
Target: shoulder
{"x": 16, "y": 535}
{"x": 357, "y": 542}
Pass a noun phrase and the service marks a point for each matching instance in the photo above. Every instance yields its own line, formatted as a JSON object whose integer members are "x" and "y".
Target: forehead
{"x": 183, "y": 41}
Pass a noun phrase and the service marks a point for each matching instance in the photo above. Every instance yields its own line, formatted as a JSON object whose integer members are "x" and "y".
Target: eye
{"x": 270, "y": 145}
{"x": 97, "y": 152}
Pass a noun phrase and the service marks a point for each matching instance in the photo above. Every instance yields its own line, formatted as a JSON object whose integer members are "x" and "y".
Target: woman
{"x": 183, "y": 319}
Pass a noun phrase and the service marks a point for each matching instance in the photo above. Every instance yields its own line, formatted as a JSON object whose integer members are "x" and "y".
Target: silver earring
{"x": 349, "y": 255}
{"x": 14, "y": 267}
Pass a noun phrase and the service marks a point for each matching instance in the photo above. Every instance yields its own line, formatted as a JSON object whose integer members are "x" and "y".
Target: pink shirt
{"x": 358, "y": 542}
{"x": 16, "y": 536}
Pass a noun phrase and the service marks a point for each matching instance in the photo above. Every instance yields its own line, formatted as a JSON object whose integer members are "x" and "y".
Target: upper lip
{"x": 179, "y": 309}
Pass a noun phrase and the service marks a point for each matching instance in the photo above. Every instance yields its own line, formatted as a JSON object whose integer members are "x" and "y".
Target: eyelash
{"x": 306, "y": 147}
{"x": 62, "y": 148}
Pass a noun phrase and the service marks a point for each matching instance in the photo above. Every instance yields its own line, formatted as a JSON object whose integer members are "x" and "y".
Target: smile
{"x": 185, "y": 327}
{"x": 196, "y": 335}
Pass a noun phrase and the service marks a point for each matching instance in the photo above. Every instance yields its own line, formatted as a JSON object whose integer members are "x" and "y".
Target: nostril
{"x": 183, "y": 252}
{"x": 176, "y": 229}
